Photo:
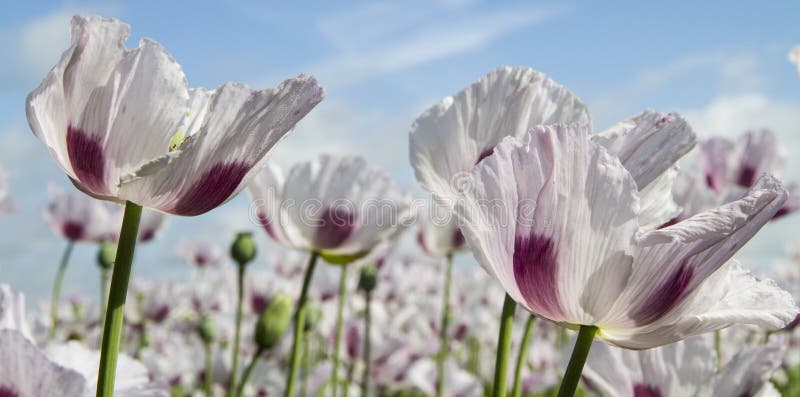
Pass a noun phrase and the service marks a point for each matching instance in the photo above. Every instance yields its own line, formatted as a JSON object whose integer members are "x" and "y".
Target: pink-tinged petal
{"x": 670, "y": 263}
{"x": 12, "y": 312}
{"x": 756, "y": 153}
{"x": 462, "y": 130}
{"x": 792, "y": 203}
{"x": 731, "y": 295}
{"x": 648, "y": 144}
{"x": 714, "y": 164}
{"x": 237, "y": 128}
{"x": 80, "y": 218}
{"x": 551, "y": 218}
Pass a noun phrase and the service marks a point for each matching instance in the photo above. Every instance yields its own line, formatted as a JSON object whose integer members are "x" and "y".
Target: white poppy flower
{"x": 451, "y": 137}
{"x": 338, "y": 206}
{"x": 123, "y": 125}
{"x": 685, "y": 368}
{"x": 554, "y": 217}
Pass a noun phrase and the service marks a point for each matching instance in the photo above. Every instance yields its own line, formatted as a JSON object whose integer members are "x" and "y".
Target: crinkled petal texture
{"x": 649, "y": 145}
{"x": 26, "y": 371}
{"x": 336, "y": 205}
{"x": 110, "y": 117}
{"x": 451, "y": 137}
{"x": 748, "y": 373}
{"x": 679, "y": 369}
{"x": 551, "y": 217}
{"x": 682, "y": 283}
{"x": 554, "y": 219}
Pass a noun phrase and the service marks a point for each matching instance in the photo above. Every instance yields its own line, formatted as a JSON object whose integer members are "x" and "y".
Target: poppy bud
{"x": 243, "y": 249}
{"x": 273, "y": 322}
{"x": 207, "y": 330}
{"x": 106, "y": 253}
{"x": 367, "y": 279}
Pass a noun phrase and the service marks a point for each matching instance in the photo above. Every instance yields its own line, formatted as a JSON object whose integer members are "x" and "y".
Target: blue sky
{"x": 722, "y": 65}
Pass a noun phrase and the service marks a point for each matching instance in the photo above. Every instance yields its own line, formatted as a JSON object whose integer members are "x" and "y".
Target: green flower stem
{"x": 238, "y": 334}
{"x": 339, "y": 324}
{"x": 516, "y": 391}
{"x": 209, "y": 392}
{"x": 62, "y": 269}
{"x": 575, "y": 367}
{"x": 367, "y": 346}
{"x": 718, "y": 348}
{"x": 248, "y": 371}
{"x": 443, "y": 337}
{"x": 473, "y": 362}
{"x": 350, "y": 370}
{"x": 104, "y": 275}
{"x": 503, "y": 348}
{"x": 112, "y": 326}
{"x": 306, "y": 362}
{"x": 299, "y": 327}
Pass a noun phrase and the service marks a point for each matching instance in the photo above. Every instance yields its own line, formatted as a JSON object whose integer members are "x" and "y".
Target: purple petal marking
{"x": 73, "y": 230}
{"x": 146, "y": 235}
{"x": 353, "y": 342}
{"x": 159, "y": 314}
{"x": 6, "y": 391}
{"x": 421, "y": 241}
{"x": 484, "y": 154}
{"x": 334, "y": 227}
{"x": 258, "y": 303}
{"x": 211, "y": 189}
{"x": 87, "y": 158}
{"x": 458, "y": 239}
{"x": 266, "y": 223}
{"x": 747, "y": 176}
{"x": 664, "y": 297}
{"x": 536, "y": 273}
{"x": 642, "y": 390}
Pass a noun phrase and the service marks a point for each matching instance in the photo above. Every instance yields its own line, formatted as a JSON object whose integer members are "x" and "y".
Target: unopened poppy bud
{"x": 207, "y": 330}
{"x": 273, "y": 322}
{"x": 367, "y": 279}
{"x": 243, "y": 249}
{"x": 106, "y": 253}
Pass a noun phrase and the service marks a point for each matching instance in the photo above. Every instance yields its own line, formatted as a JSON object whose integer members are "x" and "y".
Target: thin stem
{"x": 208, "y": 368}
{"x": 575, "y": 367}
{"x": 112, "y": 326}
{"x": 718, "y": 348}
{"x": 443, "y": 347}
{"x": 503, "y": 347}
{"x": 237, "y": 335}
{"x": 306, "y": 362}
{"x": 299, "y": 327}
{"x": 350, "y": 370}
{"x": 62, "y": 269}
{"x": 474, "y": 356}
{"x": 248, "y": 371}
{"x": 367, "y": 346}
{"x": 516, "y": 391}
{"x": 104, "y": 274}
{"x": 339, "y": 324}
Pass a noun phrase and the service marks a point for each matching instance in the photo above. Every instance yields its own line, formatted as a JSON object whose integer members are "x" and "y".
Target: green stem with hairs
{"x": 299, "y": 327}
{"x": 62, "y": 269}
{"x": 575, "y": 367}
{"x": 718, "y": 348}
{"x": 339, "y": 325}
{"x": 114, "y": 317}
{"x": 237, "y": 336}
{"x": 516, "y": 390}
{"x": 443, "y": 337}
{"x": 503, "y": 347}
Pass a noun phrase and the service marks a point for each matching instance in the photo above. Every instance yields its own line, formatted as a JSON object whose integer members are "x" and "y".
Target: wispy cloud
{"x": 34, "y": 47}
{"x": 383, "y": 38}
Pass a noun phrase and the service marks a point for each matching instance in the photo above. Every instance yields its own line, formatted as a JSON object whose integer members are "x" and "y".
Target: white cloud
{"x": 35, "y": 46}
{"x": 406, "y": 38}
